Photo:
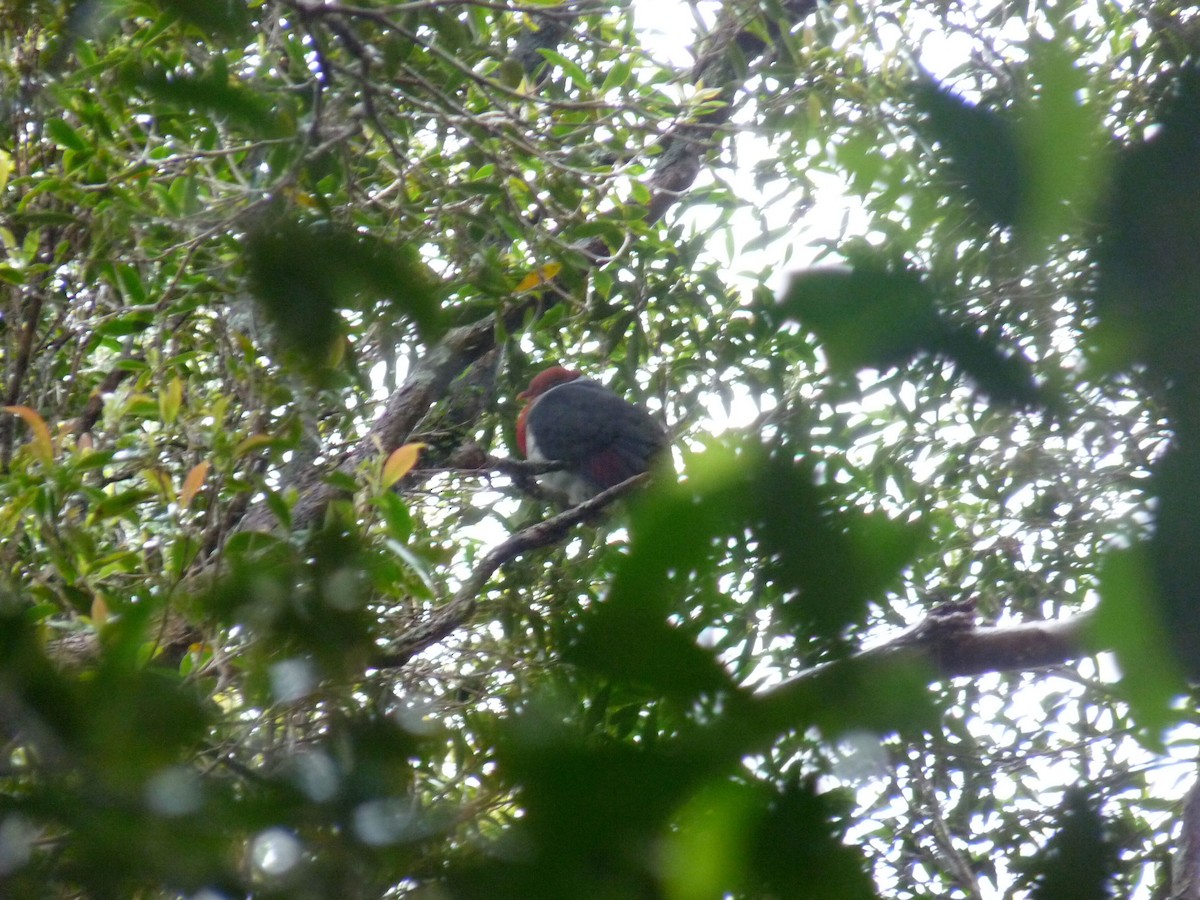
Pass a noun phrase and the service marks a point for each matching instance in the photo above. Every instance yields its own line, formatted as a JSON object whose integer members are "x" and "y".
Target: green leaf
{"x": 572, "y": 69}
{"x": 864, "y": 316}
{"x": 305, "y": 273}
{"x": 1129, "y": 620}
{"x": 982, "y": 150}
{"x": 65, "y": 136}
{"x": 228, "y": 19}
{"x": 871, "y": 317}
{"x": 1061, "y": 131}
{"x": 1149, "y": 274}
{"x": 215, "y": 92}
{"x": 1079, "y": 860}
{"x": 619, "y": 643}
{"x": 618, "y": 74}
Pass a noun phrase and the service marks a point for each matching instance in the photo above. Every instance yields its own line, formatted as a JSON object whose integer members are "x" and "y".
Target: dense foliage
{"x": 912, "y": 284}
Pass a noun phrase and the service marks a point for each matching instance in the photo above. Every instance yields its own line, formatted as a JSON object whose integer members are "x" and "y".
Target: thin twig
{"x": 459, "y": 610}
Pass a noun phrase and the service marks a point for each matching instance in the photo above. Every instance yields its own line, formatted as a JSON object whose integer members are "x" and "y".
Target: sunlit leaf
{"x": 617, "y": 75}
{"x": 399, "y": 463}
{"x": 541, "y": 276}
{"x": 170, "y": 400}
{"x": 193, "y": 482}
{"x": 572, "y": 69}
{"x": 160, "y": 481}
{"x": 43, "y": 446}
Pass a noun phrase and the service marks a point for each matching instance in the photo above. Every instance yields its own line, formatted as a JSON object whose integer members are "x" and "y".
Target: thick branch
{"x": 1031, "y": 645}
{"x": 949, "y": 649}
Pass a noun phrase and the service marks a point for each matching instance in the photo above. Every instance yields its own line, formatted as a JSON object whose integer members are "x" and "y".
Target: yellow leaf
{"x": 170, "y": 399}
{"x": 541, "y": 276}
{"x": 400, "y": 463}
{"x": 99, "y": 611}
{"x": 192, "y": 483}
{"x": 251, "y": 443}
{"x": 5, "y": 169}
{"x": 43, "y": 446}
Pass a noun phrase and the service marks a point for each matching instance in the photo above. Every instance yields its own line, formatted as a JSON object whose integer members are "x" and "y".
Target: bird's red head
{"x": 543, "y": 381}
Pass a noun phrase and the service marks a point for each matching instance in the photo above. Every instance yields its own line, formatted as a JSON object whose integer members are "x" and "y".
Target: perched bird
{"x": 600, "y": 438}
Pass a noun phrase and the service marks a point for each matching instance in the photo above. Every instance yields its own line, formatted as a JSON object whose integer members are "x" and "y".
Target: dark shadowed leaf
{"x": 830, "y": 562}
{"x": 621, "y": 643}
{"x": 220, "y": 18}
{"x": 1003, "y": 375}
{"x": 797, "y": 853}
{"x": 304, "y": 274}
{"x": 864, "y": 316}
{"x": 1079, "y": 861}
{"x": 982, "y": 151}
{"x": 593, "y": 810}
{"x": 1175, "y": 564}
{"x": 874, "y": 696}
{"x": 869, "y": 316}
{"x": 1149, "y": 267}
{"x": 748, "y": 840}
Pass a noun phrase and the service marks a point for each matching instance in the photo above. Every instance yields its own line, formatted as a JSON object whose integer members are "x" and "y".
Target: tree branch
{"x": 948, "y": 648}
{"x": 459, "y": 610}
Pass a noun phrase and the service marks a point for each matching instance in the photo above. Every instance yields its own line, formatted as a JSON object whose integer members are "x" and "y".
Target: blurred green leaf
{"x": 870, "y": 316}
{"x": 1078, "y": 861}
{"x": 1130, "y": 620}
{"x": 795, "y": 852}
{"x": 217, "y": 92}
{"x": 65, "y": 136}
{"x": 1061, "y": 131}
{"x": 1149, "y": 271}
{"x": 619, "y": 642}
{"x": 982, "y": 150}
{"x": 219, "y": 18}
{"x": 864, "y": 316}
{"x": 305, "y": 273}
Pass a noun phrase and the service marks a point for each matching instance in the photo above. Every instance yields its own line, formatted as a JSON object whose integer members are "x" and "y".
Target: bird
{"x": 600, "y": 438}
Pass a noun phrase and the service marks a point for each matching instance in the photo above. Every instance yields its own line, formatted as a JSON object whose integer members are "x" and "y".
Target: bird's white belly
{"x": 575, "y": 488}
